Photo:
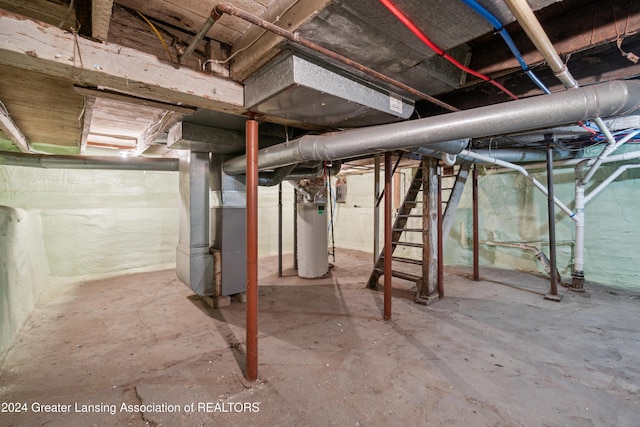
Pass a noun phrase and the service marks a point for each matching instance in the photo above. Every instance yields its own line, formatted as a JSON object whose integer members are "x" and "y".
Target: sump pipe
{"x": 47, "y": 161}
{"x": 447, "y": 132}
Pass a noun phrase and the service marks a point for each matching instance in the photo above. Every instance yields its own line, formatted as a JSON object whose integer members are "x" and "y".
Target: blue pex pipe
{"x": 497, "y": 25}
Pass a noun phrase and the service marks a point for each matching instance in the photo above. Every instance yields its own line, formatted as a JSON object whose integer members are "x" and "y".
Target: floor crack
{"x": 148, "y": 422}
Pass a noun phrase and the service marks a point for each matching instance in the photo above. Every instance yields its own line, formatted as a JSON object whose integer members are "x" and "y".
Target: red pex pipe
{"x": 415, "y": 30}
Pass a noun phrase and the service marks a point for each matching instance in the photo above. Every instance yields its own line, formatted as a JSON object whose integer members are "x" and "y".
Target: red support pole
{"x": 252, "y": 250}
{"x": 388, "y": 200}
{"x": 440, "y": 241}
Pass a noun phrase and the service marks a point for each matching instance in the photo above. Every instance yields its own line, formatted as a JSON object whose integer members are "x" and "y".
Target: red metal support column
{"x": 440, "y": 240}
{"x": 252, "y": 250}
{"x": 388, "y": 201}
{"x": 476, "y": 246}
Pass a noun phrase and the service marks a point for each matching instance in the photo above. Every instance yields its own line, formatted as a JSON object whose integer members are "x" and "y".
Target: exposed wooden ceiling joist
{"x": 569, "y": 33}
{"x": 257, "y": 53}
{"x": 100, "y": 18}
{"x": 12, "y": 130}
{"x": 49, "y": 114}
{"x": 89, "y": 103}
{"x": 58, "y": 53}
{"x": 52, "y": 13}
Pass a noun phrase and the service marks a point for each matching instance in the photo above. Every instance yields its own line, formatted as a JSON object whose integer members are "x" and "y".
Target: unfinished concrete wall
{"x": 21, "y": 271}
{"x": 268, "y": 219}
{"x": 96, "y": 222}
{"x": 61, "y": 226}
{"x": 511, "y": 210}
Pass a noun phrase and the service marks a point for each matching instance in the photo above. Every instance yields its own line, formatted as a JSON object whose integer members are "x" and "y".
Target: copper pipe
{"x": 388, "y": 201}
{"x": 296, "y": 38}
{"x": 440, "y": 241}
{"x": 252, "y": 250}
{"x": 376, "y": 209}
{"x": 476, "y": 243}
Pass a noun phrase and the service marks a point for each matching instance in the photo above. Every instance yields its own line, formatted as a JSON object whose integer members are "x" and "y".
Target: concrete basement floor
{"x": 489, "y": 354}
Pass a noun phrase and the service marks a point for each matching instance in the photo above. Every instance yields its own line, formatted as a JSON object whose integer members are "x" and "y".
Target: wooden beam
{"x": 46, "y": 49}
{"x": 60, "y": 15}
{"x": 586, "y": 27}
{"x": 428, "y": 291}
{"x": 12, "y": 130}
{"x": 100, "y": 19}
{"x": 89, "y": 102}
{"x": 121, "y": 97}
{"x": 257, "y": 53}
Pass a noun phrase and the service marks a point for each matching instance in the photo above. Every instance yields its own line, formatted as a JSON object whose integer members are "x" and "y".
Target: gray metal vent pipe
{"x": 511, "y": 155}
{"x": 46, "y": 161}
{"x": 617, "y": 98}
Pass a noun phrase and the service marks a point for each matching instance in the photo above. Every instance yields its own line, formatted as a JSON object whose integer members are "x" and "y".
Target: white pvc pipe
{"x": 610, "y": 148}
{"x": 524, "y": 172}
{"x": 632, "y": 155}
{"x": 609, "y": 180}
{"x": 448, "y": 159}
{"x": 578, "y": 258}
{"x": 530, "y": 24}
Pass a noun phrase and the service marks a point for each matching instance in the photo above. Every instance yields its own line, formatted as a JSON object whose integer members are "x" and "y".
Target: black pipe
{"x": 393, "y": 171}
{"x": 280, "y": 230}
{"x": 552, "y": 223}
{"x": 333, "y": 238}
{"x": 476, "y": 242}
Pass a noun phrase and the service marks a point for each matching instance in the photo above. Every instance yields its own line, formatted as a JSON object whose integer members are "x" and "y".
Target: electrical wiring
{"x": 620, "y": 134}
{"x": 155, "y": 30}
{"x": 230, "y": 57}
{"x": 439, "y": 51}
{"x": 67, "y": 15}
{"x": 499, "y": 27}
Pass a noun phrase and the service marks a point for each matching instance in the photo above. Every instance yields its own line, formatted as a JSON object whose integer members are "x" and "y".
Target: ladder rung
{"x": 405, "y": 276}
{"x": 409, "y": 244}
{"x": 409, "y": 216}
{"x": 411, "y": 230}
{"x": 406, "y": 260}
{"x": 401, "y": 275}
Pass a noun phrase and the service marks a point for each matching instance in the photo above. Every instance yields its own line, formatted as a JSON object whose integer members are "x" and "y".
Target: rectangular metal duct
{"x": 297, "y": 89}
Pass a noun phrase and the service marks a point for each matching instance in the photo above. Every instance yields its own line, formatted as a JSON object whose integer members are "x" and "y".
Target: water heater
{"x": 313, "y": 257}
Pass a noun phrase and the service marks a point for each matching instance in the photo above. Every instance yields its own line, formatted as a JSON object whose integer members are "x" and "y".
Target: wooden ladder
{"x": 412, "y": 208}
